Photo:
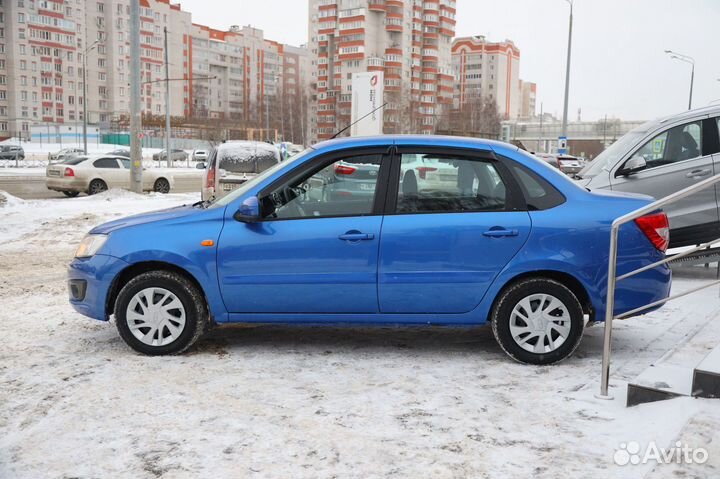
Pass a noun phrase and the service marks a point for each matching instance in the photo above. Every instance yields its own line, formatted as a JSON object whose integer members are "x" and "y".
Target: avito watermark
{"x": 632, "y": 453}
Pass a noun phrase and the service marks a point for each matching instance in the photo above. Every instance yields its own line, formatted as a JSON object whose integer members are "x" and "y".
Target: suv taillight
{"x": 210, "y": 177}
{"x": 68, "y": 172}
{"x": 657, "y": 229}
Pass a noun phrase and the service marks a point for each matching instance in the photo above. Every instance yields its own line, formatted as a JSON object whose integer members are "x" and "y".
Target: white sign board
{"x": 367, "y": 95}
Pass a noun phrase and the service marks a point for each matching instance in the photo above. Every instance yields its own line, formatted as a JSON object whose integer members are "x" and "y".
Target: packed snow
{"x": 311, "y": 402}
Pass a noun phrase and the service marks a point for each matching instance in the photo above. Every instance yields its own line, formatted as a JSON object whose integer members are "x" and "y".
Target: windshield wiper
{"x": 202, "y": 204}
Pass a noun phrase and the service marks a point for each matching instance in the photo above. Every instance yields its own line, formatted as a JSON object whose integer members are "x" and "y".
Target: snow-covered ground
{"x": 311, "y": 402}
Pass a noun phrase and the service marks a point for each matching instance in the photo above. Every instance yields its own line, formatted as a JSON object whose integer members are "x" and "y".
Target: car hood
{"x": 145, "y": 218}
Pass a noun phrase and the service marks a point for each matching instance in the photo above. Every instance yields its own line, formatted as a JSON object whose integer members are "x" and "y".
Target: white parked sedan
{"x": 95, "y": 174}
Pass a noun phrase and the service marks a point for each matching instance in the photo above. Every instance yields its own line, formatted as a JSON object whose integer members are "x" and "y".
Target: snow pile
{"x": 8, "y": 200}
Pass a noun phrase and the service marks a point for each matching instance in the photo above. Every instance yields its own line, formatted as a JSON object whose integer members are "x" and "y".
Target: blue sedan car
{"x": 399, "y": 230}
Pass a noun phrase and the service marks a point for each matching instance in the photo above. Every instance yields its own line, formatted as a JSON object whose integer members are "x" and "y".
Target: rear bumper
{"x": 65, "y": 184}
{"x": 89, "y": 282}
{"x": 642, "y": 289}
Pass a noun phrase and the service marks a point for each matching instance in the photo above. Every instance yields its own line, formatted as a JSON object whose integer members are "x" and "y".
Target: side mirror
{"x": 633, "y": 165}
{"x": 200, "y": 166}
{"x": 249, "y": 211}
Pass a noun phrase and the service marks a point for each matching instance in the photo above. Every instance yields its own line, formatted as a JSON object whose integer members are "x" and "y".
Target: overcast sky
{"x": 619, "y": 67}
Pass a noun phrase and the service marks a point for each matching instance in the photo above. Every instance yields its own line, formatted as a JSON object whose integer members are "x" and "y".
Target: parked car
{"x": 121, "y": 152}
{"x": 233, "y": 163}
{"x": 662, "y": 157}
{"x": 200, "y": 155}
{"x": 512, "y": 242}
{"x": 176, "y": 155}
{"x": 95, "y": 174}
{"x": 570, "y": 165}
{"x": 64, "y": 153}
{"x": 11, "y": 152}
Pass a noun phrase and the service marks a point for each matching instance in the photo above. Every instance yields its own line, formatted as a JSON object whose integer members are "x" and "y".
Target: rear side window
{"x": 106, "y": 163}
{"x": 449, "y": 183}
{"x": 539, "y": 194}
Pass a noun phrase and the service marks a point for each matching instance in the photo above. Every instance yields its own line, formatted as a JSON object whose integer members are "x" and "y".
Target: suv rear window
{"x": 246, "y": 158}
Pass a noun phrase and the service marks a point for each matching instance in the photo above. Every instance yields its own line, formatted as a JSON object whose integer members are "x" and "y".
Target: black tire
{"x": 502, "y": 316}
{"x": 162, "y": 185}
{"x": 97, "y": 186}
{"x": 71, "y": 194}
{"x": 193, "y": 301}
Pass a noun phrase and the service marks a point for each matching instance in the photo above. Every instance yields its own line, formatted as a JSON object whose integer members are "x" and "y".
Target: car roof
{"x": 419, "y": 140}
{"x": 712, "y": 110}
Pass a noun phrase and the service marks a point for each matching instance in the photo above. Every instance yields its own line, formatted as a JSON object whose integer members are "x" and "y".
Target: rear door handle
{"x": 500, "y": 232}
{"x": 352, "y": 236}
{"x": 698, "y": 173}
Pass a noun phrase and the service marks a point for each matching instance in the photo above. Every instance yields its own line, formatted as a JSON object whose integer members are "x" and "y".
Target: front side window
{"x": 449, "y": 183}
{"x": 345, "y": 187}
{"x": 106, "y": 163}
{"x": 680, "y": 143}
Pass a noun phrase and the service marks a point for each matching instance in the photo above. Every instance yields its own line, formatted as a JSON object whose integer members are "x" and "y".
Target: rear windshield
{"x": 247, "y": 158}
{"x": 75, "y": 160}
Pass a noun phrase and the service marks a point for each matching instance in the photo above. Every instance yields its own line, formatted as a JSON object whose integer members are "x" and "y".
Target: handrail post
{"x": 609, "y": 312}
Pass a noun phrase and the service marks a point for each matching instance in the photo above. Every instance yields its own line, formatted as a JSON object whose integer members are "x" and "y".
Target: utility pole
{"x": 135, "y": 101}
{"x": 605, "y": 132}
{"x": 168, "y": 155}
{"x": 280, "y": 94}
{"x": 567, "y": 72}
{"x": 267, "y": 111}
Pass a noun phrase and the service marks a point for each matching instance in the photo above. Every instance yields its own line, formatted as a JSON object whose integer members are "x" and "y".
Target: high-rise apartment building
{"x": 46, "y": 46}
{"x": 49, "y": 47}
{"x": 408, "y": 40}
{"x": 240, "y": 75}
{"x": 486, "y": 69}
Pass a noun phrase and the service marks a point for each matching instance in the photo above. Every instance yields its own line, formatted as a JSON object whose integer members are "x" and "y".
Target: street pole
{"x": 267, "y": 113}
{"x": 280, "y": 96}
{"x": 135, "y": 103}
{"x": 692, "y": 81}
{"x": 541, "y": 128}
{"x": 691, "y": 61}
{"x": 168, "y": 155}
{"x": 567, "y": 72}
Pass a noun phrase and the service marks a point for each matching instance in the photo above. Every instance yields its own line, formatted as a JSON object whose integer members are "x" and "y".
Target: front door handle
{"x": 500, "y": 232}
{"x": 698, "y": 173}
{"x": 357, "y": 236}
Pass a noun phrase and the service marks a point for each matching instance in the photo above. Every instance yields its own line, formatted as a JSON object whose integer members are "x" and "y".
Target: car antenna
{"x": 356, "y": 122}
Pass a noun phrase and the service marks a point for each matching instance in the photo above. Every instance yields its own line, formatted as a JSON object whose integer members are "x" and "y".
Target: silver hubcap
{"x": 540, "y": 323}
{"x": 155, "y": 316}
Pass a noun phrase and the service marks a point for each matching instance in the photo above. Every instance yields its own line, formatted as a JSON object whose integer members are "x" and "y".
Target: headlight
{"x": 90, "y": 245}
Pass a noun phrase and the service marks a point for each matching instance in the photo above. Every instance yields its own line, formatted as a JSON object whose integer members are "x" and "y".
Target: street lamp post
{"x": 691, "y": 61}
{"x": 567, "y": 72}
{"x": 85, "y": 54}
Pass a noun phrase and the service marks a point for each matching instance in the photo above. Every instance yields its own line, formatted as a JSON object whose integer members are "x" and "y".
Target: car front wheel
{"x": 160, "y": 312}
{"x": 538, "y": 321}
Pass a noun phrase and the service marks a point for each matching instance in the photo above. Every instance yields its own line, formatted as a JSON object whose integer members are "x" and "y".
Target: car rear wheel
{"x": 97, "y": 186}
{"x": 160, "y": 312}
{"x": 538, "y": 321}
{"x": 71, "y": 194}
{"x": 162, "y": 185}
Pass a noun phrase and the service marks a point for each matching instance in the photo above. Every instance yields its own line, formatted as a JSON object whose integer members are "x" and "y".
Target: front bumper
{"x": 93, "y": 278}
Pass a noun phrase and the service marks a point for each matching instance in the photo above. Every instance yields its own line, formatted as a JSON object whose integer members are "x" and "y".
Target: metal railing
{"x": 613, "y": 278}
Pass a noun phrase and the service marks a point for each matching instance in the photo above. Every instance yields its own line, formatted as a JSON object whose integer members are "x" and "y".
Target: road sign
{"x": 562, "y": 145}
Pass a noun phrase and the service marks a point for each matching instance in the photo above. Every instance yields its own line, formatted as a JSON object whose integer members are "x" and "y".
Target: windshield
{"x": 225, "y": 200}
{"x": 607, "y": 159}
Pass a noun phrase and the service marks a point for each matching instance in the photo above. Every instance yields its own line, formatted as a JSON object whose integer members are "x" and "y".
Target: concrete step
{"x": 691, "y": 368}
